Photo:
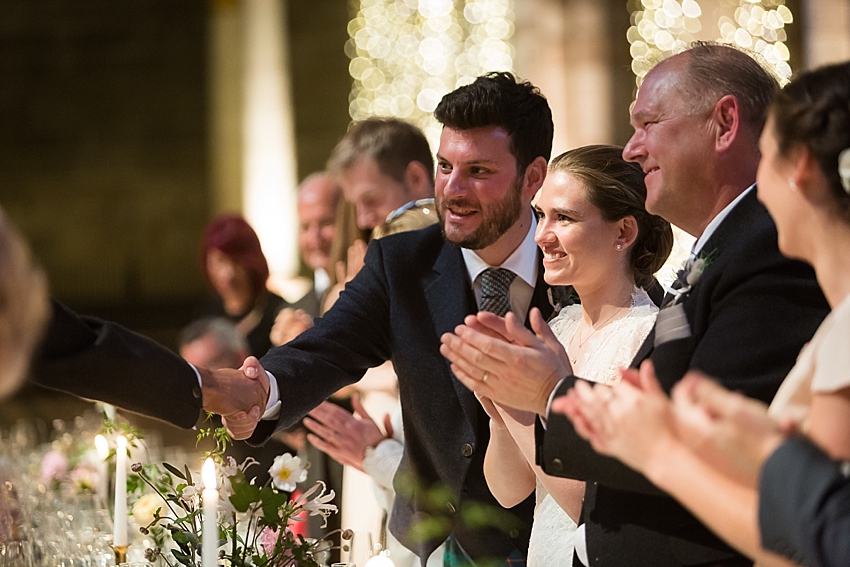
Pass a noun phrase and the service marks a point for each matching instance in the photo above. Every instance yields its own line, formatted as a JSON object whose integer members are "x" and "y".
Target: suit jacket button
{"x": 557, "y": 465}
{"x": 466, "y": 450}
{"x": 196, "y": 391}
{"x": 513, "y": 534}
{"x": 451, "y": 507}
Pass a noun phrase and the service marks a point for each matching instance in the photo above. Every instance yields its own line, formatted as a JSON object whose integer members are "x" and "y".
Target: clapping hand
{"x": 635, "y": 422}
{"x": 239, "y": 396}
{"x": 345, "y": 272}
{"x": 730, "y": 431}
{"x": 343, "y": 436}
{"x": 498, "y": 358}
{"x": 288, "y": 324}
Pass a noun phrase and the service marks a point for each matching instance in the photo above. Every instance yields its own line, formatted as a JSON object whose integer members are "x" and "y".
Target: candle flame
{"x": 122, "y": 442}
{"x": 102, "y": 446}
{"x": 208, "y": 473}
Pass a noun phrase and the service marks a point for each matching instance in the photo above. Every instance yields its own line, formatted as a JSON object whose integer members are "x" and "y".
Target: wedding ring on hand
{"x": 485, "y": 377}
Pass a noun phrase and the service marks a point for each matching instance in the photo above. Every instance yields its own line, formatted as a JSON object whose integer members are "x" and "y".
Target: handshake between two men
{"x": 239, "y": 396}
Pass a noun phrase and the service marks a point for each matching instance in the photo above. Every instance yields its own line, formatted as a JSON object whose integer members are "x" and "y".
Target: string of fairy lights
{"x": 406, "y": 54}
{"x": 661, "y": 28}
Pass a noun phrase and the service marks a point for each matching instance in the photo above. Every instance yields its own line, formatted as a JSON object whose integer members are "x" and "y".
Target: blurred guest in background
{"x": 386, "y": 169}
{"x": 382, "y": 164}
{"x": 233, "y": 262}
{"x": 318, "y": 200}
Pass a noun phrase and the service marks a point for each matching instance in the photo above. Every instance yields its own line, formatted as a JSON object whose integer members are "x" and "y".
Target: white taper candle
{"x": 119, "y": 535}
{"x": 209, "y": 541}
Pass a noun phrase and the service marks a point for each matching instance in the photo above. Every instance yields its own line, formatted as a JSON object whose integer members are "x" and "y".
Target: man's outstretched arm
{"x": 103, "y": 361}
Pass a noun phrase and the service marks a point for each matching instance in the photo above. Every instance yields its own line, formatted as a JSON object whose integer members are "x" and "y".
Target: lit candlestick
{"x": 119, "y": 536}
{"x": 102, "y": 446}
{"x": 209, "y": 549}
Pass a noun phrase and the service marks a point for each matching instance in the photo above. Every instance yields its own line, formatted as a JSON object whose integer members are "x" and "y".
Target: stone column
{"x": 563, "y": 47}
{"x": 252, "y": 132}
{"x": 826, "y": 32}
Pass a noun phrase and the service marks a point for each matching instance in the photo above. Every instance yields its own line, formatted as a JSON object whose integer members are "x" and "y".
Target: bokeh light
{"x": 661, "y": 28}
{"x": 406, "y": 54}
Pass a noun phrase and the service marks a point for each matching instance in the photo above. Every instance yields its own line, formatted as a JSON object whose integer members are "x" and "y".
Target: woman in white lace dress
{"x": 596, "y": 236}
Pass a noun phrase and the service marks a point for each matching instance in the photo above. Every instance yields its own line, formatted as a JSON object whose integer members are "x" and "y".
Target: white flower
{"x": 696, "y": 270}
{"x": 248, "y": 462}
{"x": 190, "y": 490}
{"x": 229, "y": 467}
{"x": 287, "y": 472}
{"x": 844, "y": 168}
{"x": 145, "y": 507}
{"x": 318, "y": 506}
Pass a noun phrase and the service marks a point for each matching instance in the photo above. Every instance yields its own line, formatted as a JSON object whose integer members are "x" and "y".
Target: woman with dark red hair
{"x": 233, "y": 262}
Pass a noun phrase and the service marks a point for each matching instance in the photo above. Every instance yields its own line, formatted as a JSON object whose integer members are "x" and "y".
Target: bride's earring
{"x": 792, "y": 184}
{"x": 619, "y": 247}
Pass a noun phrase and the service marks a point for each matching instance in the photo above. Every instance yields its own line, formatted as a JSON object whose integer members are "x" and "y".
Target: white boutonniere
{"x": 690, "y": 274}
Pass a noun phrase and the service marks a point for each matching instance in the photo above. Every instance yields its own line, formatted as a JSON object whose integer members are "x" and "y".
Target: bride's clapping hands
{"x": 500, "y": 359}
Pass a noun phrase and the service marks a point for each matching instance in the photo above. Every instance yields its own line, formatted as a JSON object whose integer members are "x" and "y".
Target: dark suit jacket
{"x": 804, "y": 505}
{"x": 103, "y": 361}
{"x": 749, "y": 315}
{"x": 414, "y": 287}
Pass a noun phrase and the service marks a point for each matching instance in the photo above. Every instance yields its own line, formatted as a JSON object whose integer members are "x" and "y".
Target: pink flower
{"x": 54, "y": 465}
{"x": 268, "y": 541}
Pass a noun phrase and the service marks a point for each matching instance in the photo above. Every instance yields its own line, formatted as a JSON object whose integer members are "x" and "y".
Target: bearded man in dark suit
{"x": 740, "y": 311}
{"x": 494, "y": 148}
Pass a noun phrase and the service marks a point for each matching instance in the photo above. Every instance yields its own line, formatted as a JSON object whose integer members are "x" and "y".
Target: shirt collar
{"x": 522, "y": 262}
{"x": 715, "y": 222}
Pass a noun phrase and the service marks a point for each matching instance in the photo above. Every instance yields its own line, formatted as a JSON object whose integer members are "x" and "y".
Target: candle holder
{"x": 120, "y": 553}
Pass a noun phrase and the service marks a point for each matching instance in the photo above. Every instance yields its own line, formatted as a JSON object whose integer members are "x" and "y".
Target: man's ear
{"x": 419, "y": 180}
{"x": 535, "y": 174}
{"x": 727, "y": 121}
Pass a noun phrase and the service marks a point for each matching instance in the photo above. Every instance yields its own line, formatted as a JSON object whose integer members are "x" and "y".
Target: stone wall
{"x": 320, "y": 80}
{"x": 103, "y": 143}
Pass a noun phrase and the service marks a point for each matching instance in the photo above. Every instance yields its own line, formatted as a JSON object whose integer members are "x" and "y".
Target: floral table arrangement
{"x": 252, "y": 525}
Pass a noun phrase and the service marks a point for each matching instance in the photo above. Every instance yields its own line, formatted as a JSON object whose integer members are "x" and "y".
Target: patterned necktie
{"x": 495, "y": 283}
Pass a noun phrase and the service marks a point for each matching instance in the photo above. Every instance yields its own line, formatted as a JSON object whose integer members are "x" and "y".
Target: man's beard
{"x": 498, "y": 218}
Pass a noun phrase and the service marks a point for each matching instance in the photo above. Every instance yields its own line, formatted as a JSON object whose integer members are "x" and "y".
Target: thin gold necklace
{"x": 581, "y": 342}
